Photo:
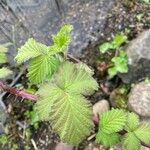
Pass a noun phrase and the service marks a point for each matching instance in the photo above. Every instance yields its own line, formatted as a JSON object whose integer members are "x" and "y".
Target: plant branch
{"x": 73, "y": 58}
{"x": 19, "y": 93}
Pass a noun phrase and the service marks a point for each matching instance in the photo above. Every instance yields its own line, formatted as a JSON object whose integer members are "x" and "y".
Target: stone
{"x": 138, "y": 52}
{"x": 40, "y": 19}
{"x": 100, "y": 107}
{"x": 139, "y": 99}
{"x": 63, "y": 146}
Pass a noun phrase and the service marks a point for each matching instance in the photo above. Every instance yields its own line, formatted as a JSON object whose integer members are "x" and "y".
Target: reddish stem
{"x": 19, "y": 93}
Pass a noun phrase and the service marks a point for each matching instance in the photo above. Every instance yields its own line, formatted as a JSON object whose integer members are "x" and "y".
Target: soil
{"x": 122, "y": 16}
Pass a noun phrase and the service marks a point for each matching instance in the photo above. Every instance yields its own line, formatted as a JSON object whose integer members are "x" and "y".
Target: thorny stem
{"x": 19, "y": 93}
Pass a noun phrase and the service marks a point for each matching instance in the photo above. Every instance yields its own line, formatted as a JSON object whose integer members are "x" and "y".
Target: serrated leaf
{"x": 107, "y": 139}
{"x": 76, "y": 80}
{"x": 4, "y": 72}
{"x": 31, "y": 49}
{"x": 132, "y": 122}
{"x": 146, "y": 1}
{"x": 3, "y": 49}
{"x": 83, "y": 66}
{"x": 61, "y": 40}
{"x": 105, "y": 47}
{"x": 112, "y": 121}
{"x": 143, "y": 132}
{"x": 3, "y": 58}
{"x": 65, "y": 106}
{"x": 121, "y": 62}
{"x": 119, "y": 39}
{"x": 42, "y": 68}
{"x": 46, "y": 100}
{"x": 71, "y": 118}
{"x": 112, "y": 72}
{"x": 131, "y": 142}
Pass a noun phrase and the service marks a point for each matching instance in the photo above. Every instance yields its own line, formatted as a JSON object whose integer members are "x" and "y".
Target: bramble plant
{"x": 61, "y": 97}
{"x": 116, "y": 120}
{"x": 119, "y": 62}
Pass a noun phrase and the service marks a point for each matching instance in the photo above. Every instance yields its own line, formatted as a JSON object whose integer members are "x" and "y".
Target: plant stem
{"x": 73, "y": 58}
{"x": 19, "y": 93}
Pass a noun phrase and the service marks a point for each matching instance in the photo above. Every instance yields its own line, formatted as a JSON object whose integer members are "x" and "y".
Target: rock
{"x": 139, "y": 99}
{"x": 98, "y": 108}
{"x": 144, "y": 148}
{"x": 118, "y": 98}
{"x": 63, "y": 146}
{"x": 138, "y": 52}
{"x": 40, "y": 19}
{"x": 145, "y": 119}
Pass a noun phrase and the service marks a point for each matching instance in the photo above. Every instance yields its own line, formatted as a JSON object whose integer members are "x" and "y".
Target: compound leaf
{"x": 61, "y": 40}
{"x": 143, "y": 132}
{"x": 112, "y": 121}
{"x": 121, "y": 62}
{"x": 76, "y": 80}
{"x": 3, "y": 58}
{"x": 131, "y": 142}
{"x": 65, "y": 106}
{"x": 71, "y": 118}
{"x": 107, "y": 139}
{"x": 4, "y": 72}
{"x": 112, "y": 72}
{"x": 42, "y": 68}
{"x": 119, "y": 39}
{"x": 132, "y": 122}
{"x": 31, "y": 49}
{"x": 48, "y": 94}
{"x": 105, "y": 47}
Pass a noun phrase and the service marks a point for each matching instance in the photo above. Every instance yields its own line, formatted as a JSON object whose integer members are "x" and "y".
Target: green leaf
{"x": 4, "y": 72}
{"x": 112, "y": 121}
{"x": 76, "y": 80}
{"x": 46, "y": 100}
{"x": 71, "y": 118}
{"x": 42, "y": 68}
{"x": 118, "y": 40}
{"x": 83, "y": 66}
{"x": 31, "y": 49}
{"x": 61, "y": 40}
{"x": 131, "y": 142}
{"x": 143, "y": 132}
{"x": 3, "y": 58}
{"x": 3, "y": 49}
{"x": 107, "y": 139}
{"x": 105, "y": 47}
{"x": 62, "y": 102}
{"x": 121, "y": 62}
{"x": 112, "y": 72}
{"x": 146, "y": 1}
{"x": 132, "y": 122}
